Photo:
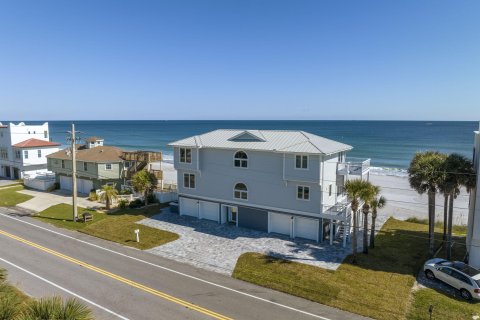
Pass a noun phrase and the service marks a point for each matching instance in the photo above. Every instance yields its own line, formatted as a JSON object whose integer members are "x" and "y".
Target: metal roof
{"x": 265, "y": 140}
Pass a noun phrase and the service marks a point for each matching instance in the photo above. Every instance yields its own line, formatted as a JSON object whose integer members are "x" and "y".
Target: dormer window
{"x": 301, "y": 161}
{"x": 240, "y": 160}
{"x": 185, "y": 155}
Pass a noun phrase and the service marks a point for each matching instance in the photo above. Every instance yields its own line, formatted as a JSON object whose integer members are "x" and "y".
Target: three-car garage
{"x": 273, "y": 222}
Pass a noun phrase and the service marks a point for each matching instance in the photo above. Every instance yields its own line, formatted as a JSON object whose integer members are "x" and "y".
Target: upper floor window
{"x": 39, "y": 153}
{"x": 85, "y": 166}
{"x": 240, "y": 191}
{"x": 108, "y": 166}
{"x": 3, "y": 153}
{"x": 18, "y": 154}
{"x": 25, "y": 154}
{"x": 45, "y": 134}
{"x": 189, "y": 180}
{"x": 185, "y": 155}
{"x": 303, "y": 193}
{"x": 329, "y": 190}
{"x": 301, "y": 161}
{"x": 341, "y": 157}
{"x": 63, "y": 164}
{"x": 240, "y": 160}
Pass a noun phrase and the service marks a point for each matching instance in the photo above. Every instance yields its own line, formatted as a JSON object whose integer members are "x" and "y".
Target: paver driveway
{"x": 209, "y": 245}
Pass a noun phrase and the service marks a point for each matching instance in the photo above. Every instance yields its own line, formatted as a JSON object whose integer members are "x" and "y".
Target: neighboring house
{"x": 473, "y": 227}
{"x": 23, "y": 149}
{"x": 287, "y": 182}
{"x": 98, "y": 165}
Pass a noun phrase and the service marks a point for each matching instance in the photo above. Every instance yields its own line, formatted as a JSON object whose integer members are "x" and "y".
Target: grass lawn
{"x": 9, "y": 196}
{"x": 456, "y": 229}
{"x": 378, "y": 286}
{"x": 117, "y": 226}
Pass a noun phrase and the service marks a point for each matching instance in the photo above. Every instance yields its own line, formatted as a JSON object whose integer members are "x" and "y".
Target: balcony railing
{"x": 353, "y": 166}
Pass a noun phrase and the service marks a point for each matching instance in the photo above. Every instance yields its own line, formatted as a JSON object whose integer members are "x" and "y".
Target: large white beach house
{"x": 287, "y": 182}
{"x": 23, "y": 149}
{"x": 473, "y": 229}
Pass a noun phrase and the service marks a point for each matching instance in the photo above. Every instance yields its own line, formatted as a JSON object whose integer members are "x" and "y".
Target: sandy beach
{"x": 404, "y": 202}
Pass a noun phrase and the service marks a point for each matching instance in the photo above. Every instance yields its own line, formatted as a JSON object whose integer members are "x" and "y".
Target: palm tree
{"x": 367, "y": 196}
{"x": 109, "y": 193}
{"x": 55, "y": 309}
{"x": 425, "y": 174}
{"x": 458, "y": 172}
{"x": 377, "y": 203}
{"x": 144, "y": 182}
{"x": 355, "y": 190}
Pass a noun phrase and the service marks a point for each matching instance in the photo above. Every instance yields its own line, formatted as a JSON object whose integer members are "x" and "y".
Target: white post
{"x": 74, "y": 175}
{"x": 331, "y": 231}
{"x": 345, "y": 226}
{"x": 137, "y": 232}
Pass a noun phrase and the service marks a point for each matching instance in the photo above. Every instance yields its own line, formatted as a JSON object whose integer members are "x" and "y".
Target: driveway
{"x": 216, "y": 247}
{"x": 7, "y": 182}
{"x": 42, "y": 200}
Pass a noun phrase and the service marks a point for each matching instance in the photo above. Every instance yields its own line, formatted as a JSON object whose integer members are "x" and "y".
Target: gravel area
{"x": 216, "y": 247}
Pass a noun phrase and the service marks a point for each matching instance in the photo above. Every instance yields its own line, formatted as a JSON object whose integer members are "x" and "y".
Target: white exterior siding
{"x": 473, "y": 228}
{"x": 263, "y": 177}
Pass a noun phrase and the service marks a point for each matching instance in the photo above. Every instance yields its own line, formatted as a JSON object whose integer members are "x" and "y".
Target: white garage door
{"x": 66, "y": 183}
{"x": 209, "y": 210}
{"x": 84, "y": 186}
{"x": 280, "y": 223}
{"x": 188, "y": 207}
{"x": 306, "y": 228}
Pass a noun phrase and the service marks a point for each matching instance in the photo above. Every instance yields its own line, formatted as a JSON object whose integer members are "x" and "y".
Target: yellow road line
{"x": 121, "y": 279}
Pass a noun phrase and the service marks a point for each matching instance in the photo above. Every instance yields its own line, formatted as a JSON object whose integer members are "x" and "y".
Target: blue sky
{"x": 243, "y": 59}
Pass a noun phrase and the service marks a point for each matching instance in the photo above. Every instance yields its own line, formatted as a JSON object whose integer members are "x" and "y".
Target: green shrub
{"x": 93, "y": 196}
{"x": 56, "y": 309}
{"x": 122, "y": 204}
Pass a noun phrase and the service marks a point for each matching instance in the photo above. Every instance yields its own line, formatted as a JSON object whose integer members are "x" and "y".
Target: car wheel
{"x": 429, "y": 274}
{"x": 465, "y": 294}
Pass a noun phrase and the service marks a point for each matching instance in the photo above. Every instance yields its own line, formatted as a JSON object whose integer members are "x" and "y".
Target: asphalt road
{"x": 124, "y": 283}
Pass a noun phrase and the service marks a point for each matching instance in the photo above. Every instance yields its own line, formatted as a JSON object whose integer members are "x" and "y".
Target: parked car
{"x": 457, "y": 274}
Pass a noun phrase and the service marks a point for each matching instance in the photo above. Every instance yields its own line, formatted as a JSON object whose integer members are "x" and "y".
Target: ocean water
{"x": 389, "y": 144}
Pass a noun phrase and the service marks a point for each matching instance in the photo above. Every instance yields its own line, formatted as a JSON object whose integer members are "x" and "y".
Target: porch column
{"x": 331, "y": 231}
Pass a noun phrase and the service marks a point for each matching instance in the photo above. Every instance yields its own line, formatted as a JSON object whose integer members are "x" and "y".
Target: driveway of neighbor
{"x": 42, "y": 200}
{"x": 216, "y": 247}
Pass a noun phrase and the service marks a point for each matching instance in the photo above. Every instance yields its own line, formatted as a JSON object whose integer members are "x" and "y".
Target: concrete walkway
{"x": 43, "y": 200}
{"x": 7, "y": 182}
{"x": 216, "y": 247}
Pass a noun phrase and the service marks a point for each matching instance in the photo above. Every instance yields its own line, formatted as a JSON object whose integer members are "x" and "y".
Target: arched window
{"x": 240, "y": 191}
{"x": 240, "y": 160}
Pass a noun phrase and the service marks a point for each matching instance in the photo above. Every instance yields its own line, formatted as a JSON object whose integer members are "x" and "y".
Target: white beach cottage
{"x": 23, "y": 149}
{"x": 473, "y": 227}
{"x": 286, "y": 182}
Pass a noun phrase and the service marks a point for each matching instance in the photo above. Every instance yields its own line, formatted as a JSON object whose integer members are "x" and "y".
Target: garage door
{"x": 66, "y": 183}
{"x": 280, "y": 223}
{"x": 84, "y": 186}
{"x": 209, "y": 210}
{"x": 306, "y": 228}
{"x": 188, "y": 207}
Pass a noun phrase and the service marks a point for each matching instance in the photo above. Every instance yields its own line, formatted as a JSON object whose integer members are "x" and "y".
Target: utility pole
{"x": 73, "y": 139}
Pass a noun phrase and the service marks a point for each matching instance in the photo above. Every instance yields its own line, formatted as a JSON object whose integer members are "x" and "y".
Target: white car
{"x": 457, "y": 274}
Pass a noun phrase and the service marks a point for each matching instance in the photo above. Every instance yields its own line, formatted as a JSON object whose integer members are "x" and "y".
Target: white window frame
{"x": 190, "y": 181}
{"x": 185, "y": 158}
{"x": 301, "y": 161}
{"x": 18, "y": 154}
{"x": 25, "y": 154}
{"x": 39, "y": 153}
{"x": 240, "y": 159}
{"x": 63, "y": 164}
{"x": 241, "y": 192}
{"x": 303, "y": 192}
{"x": 85, "y": 166}
{"x": 108, "y": 164}
{"x": 330, "y": 190}
{"x": 45, "y": 134}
